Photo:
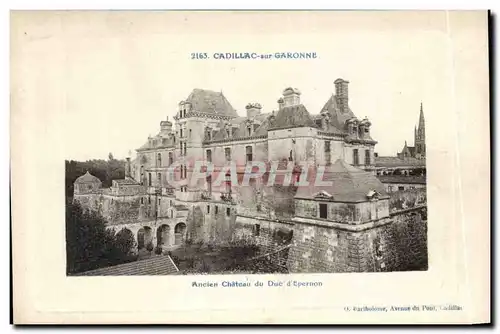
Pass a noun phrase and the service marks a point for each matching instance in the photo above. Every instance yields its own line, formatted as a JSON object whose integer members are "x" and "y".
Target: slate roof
{"x": 293, "y": 117}
{"x": 397, "y": 162}
{"x": 87, "y": 178}
{"x": 126, "y": 181}
{"x": 350, "y": 184}
{"x": 337, "y": 118}
{"x": 210, "y": 102}
{"x": 240, "y": 130}
{"x": 161, "y": 140}
{"x": 154, "y": 266}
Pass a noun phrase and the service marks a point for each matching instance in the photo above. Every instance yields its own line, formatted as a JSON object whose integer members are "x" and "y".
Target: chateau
{"x": 347, "y": 222}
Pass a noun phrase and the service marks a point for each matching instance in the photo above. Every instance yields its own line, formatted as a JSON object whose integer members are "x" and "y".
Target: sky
{"x": 111, "y": 77}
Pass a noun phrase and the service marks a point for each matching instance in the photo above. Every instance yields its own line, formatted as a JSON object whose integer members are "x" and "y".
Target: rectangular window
{"x": 209, "y": 155}
{"x": 328, "y": 157}
{"x": 181, "y": 132}
{"x": 216, "y": 209}
{"x": 323, "y": 211}
{"x": 355, "y": 157}
{"x": 159, "y": 179}
{"x": 227, "y": 152}
{"x": 249, "y": 153}
{"x": 170, "y": 158}
{"x": 228, "y": 212}
{"x": 389, "y": 188}
{"x": 208, "y": 208}
{"x": 367, "y": 158}
{"x": 150, "y": 182}
{"x": 400, "y": 188}
{"x": 256, "y": 230}
{"x": 209, "y": 184}
{"x": 142, "y": 200}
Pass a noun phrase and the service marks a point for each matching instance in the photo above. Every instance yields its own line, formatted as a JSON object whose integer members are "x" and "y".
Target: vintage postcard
{"x": 259, "y": 167}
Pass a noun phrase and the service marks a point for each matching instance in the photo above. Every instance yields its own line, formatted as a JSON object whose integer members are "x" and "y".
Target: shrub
{"x": 158, "y": 250}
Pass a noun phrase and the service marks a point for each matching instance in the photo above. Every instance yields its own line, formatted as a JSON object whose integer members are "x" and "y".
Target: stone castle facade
{"x": 345, "y": 226}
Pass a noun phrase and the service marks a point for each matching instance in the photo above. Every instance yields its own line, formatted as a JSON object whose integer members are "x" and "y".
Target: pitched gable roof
{"x": 210, "y": 102}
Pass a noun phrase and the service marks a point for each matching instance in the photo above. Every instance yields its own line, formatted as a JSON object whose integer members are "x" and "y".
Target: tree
{"x": 110, "y": 156}
{"x": 89, "y": 244}
{"x": 125, "y": 241}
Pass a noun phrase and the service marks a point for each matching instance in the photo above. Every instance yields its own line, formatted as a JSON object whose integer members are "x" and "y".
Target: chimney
{"x": 342, "y": 94}
{"x": 253, "y": 109}
{"x": 127, "y": 168}
{"x": 281, "y": 103}
{"x": 291, "y": 97}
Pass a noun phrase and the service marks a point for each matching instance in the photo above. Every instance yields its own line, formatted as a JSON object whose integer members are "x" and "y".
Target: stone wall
{"x": 268, "y": 234}
{"x": 410, "y": 198}
{"x": 390, "y": 244}
{"x": 349, "y": 213}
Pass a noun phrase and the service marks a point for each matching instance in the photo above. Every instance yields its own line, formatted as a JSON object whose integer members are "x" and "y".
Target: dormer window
{"x": 373, "y": 195}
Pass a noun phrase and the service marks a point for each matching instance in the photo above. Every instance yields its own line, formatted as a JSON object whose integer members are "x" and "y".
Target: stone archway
{"x": 144, "y": 237}
{"x": 180, "y": 233}
{"x": 163, "y": 235}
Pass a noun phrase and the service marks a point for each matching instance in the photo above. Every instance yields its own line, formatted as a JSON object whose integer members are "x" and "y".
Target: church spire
{"x": 421, "y": 121}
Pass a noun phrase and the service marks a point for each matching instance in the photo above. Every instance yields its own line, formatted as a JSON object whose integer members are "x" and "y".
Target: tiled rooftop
{"x": 156, "y": 265}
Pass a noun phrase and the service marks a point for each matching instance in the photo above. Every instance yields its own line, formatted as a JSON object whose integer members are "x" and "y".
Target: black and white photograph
{"x": 264, "y": 166}
{"x": 309, "y": 177}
